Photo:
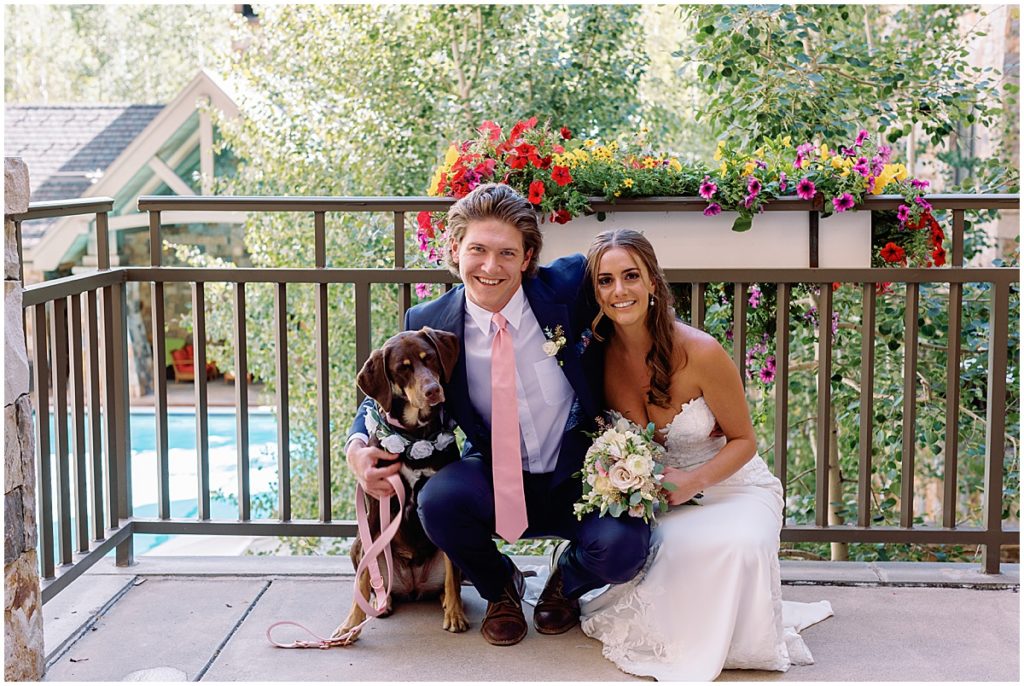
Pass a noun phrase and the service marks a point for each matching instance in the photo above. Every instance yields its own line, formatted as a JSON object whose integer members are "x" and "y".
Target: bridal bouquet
{"x": 620, "y": 472}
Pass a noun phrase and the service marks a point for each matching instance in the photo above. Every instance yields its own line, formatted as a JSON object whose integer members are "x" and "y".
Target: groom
{"x": 524, "y": 395}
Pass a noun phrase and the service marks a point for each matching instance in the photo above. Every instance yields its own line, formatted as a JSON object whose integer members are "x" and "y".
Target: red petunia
{"x": 561, "y": 216}
{"x": 893, "y": 253}
{"x": 486, "y": 168}
{"x": 566, "y": 133}
{"x": 442, "y": 182}
{"x": 561, "y": 175}
{"x": 536, "y": 192}
{"x": 939, "y": 256}
{"x": 516, "y": 161}
{"x": 492, "y": 130}
{"x": 426, "y": 228}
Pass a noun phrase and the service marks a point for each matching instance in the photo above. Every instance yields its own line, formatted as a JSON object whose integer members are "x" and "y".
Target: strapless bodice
{"x": 689, "y": 444}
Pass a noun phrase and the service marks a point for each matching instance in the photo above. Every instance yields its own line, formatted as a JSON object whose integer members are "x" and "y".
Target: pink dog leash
{"x": 371, "y": 550}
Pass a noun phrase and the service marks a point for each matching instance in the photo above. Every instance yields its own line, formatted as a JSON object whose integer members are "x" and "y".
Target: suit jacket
{"x": 556, "y": 296}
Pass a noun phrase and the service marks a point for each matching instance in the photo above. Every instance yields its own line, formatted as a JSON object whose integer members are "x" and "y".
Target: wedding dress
{"x": 709, "y": 596}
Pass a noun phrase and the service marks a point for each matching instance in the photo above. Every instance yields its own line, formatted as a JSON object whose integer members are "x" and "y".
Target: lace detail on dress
{"x": 689, "y": 444}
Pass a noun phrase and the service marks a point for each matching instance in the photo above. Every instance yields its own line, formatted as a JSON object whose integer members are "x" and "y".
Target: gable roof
{"x": 153, "y": 126}
{"x": 67, "y": 147}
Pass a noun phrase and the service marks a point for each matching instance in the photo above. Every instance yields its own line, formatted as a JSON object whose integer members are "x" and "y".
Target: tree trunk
{"x": 840, "y": 551}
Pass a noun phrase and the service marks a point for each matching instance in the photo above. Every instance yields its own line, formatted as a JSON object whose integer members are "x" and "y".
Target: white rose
{"x": 621, "y": 478}
{"x": 371, "y": 423}
{"x": 393, "y": 443}
{"x": 421, "y": 449}
{"x": 603, "y": 486}
{"x": 444, "y": 440}
{"x": 622, "y": 424}
{"x": 639, "y": 465}
{"x": 550, "y": 348}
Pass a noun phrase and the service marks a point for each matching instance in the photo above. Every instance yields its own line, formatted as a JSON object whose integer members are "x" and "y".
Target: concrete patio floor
{"x": 205, "y": 618}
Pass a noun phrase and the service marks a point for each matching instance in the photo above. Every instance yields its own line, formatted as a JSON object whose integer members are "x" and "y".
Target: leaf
{"x": 742, "y": 223}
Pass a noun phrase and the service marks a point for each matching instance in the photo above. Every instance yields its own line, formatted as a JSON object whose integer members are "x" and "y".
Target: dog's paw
{"x": 344, "y": 630}
{"x": 455, "y": 622}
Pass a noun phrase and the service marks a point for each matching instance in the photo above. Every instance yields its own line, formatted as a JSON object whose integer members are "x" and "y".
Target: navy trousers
{"x": 456, "y": 507}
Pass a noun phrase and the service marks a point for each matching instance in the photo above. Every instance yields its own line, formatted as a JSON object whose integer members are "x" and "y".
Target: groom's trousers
{"x": 456, "y": 507}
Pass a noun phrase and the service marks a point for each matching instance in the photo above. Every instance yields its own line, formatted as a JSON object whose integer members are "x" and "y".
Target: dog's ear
{"x": 373, "y": 379}
{"x": 447, "y": 346}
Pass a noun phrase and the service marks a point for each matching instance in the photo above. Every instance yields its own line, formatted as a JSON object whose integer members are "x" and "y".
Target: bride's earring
{"x": 650, "y": 303}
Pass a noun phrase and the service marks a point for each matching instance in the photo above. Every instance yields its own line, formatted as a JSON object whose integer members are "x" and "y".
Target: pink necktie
{"x": 506, "y": 460}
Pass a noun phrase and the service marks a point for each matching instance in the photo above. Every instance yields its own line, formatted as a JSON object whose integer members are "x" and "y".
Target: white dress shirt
{"x": 545, "y": 395}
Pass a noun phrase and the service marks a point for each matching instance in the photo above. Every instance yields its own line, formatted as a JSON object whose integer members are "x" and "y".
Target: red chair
{"x": 184, "y": 367}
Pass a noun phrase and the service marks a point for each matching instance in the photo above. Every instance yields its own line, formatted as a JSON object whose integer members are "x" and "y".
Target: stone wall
{"x": 23, "y": 607}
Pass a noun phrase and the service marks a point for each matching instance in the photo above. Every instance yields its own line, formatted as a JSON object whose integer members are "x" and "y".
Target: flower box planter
{"x": 691, "y": 240}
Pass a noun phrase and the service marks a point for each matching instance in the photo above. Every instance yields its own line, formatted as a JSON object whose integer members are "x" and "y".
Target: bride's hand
{"x": 686, "y": 485}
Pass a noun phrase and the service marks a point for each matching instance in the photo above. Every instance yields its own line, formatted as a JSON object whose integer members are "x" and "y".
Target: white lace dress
{"x": 709, "y": 596}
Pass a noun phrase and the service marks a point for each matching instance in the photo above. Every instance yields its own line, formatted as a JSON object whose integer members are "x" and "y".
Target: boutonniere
{"x": 584, "y": 342}
{"x": 556, "y": 340}
{"x": 392, "y": 440}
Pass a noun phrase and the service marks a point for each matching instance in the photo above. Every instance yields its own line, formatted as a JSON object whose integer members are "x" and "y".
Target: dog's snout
{"x": 433, "y": 393}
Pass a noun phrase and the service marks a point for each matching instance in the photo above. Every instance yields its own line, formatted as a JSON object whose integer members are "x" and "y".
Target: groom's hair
{"x": 494, "y": 201}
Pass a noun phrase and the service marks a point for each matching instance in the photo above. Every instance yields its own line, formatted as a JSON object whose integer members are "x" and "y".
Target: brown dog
{"x": 404, "y": 377}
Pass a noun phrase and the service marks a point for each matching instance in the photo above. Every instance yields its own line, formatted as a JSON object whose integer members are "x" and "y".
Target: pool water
{"x": 182, "y": 457}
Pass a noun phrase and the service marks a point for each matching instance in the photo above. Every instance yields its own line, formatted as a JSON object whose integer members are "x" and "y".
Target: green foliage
{"x": 109, "y": 53}
{"x": 826, "y": 70}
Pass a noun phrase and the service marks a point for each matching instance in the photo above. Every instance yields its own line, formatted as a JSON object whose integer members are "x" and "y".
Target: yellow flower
{"x": 837, "y": 162}
{"x": 901, "y": 172}
{"x": 823, "y": 153}
{"x": 759, "y": 153}
{"x": 582, "y": 155}
{"x": 627, "y": 182}
{"x": 450, "y": 156}
{"x": 846, "y": 172}
{"x": 650, "y": 162}
{"x": 602, "y": 153}
{"x": 613, "y": 146}
{"x": 806, "y": 163}
{"x": 749, "y": 168}
{"x": 723, "y": 168}
{"x": 435, "y": 180}
{"x": 674, "y": 165}
{"x": 617, "y": 193}
{"x": 588, "y": 143}
{"x": 718, "y": 150}
{"x": 788, "y": 141}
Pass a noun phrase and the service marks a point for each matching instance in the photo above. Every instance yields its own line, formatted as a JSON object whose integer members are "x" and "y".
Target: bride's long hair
{"x": 661, "y": 315}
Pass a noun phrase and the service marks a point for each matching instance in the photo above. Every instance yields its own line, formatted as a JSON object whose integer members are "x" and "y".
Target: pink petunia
{"x": 805, "y": 189}
{"x": 423, "y": 290}
{"x": 903, "y": 213}
{"x": 767, "y": 375}
{"x": 708, "y": 188}
{"x": 843, "y": 202}
{"x": 712, "y": 209}
{"x": 782, "y": 182}
{"x": 861, "y": 137}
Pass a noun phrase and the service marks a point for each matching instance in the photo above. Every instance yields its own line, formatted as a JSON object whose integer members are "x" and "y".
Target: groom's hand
{"x": 372, "y": 467}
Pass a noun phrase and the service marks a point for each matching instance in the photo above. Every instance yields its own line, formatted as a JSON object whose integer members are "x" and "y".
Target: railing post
{"x": 23, "y": 617}
{"x": 995, "y": 424}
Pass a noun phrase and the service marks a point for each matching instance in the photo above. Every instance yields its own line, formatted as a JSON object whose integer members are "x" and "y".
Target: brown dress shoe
{"x": 504, "y": 623}
{"x": 555, "y": 613}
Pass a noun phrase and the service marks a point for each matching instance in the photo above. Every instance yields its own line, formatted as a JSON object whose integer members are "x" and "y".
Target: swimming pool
{"x": 182, "y": 458}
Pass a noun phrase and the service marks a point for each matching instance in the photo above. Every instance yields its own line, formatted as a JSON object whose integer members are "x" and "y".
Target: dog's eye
{"x": 406, "y": 363}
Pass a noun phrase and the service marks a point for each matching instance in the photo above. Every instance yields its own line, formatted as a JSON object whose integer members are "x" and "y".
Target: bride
{"x": 709, "y": 597}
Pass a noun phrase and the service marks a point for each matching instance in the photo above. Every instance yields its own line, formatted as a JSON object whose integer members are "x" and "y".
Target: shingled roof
{"x": 67, "y": 147}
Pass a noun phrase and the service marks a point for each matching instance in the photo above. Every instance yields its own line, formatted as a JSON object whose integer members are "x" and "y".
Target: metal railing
{"x": 92, "y": 481}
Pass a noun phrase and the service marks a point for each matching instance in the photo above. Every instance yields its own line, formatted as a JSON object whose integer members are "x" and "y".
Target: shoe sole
{"x": 554, "y": 632}
{"x": 505, "y": 643}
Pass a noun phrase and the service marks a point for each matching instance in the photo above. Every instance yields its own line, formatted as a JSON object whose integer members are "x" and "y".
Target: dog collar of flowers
{"x": 556, "y": 340}
{"x": 394, "y": 440}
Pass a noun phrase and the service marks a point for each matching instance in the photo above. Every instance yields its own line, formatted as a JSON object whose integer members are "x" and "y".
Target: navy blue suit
{"x": 457, "y": 505}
